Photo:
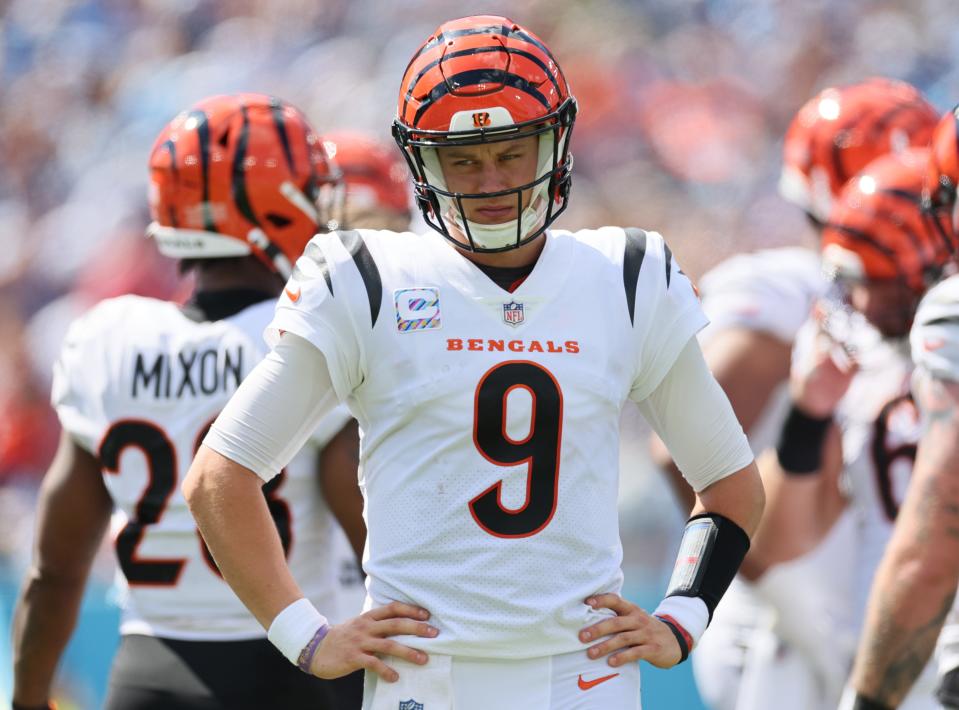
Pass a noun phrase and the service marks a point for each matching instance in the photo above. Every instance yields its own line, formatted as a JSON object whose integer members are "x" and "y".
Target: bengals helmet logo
{"x": 481, "y": 119}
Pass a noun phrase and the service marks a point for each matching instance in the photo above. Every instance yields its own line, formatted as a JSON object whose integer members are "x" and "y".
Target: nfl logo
{"x": 513, "y": 313}
{"x": 410, "y": 705}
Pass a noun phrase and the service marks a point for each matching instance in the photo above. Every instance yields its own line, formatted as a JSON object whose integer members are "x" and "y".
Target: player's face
{"x": 888, "y": 304}
{"x": 489, "y": 168}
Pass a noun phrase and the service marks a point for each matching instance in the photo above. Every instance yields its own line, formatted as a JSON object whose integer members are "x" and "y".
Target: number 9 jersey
{"x": 490, "y": 418}
{"x": 138, "y": 383}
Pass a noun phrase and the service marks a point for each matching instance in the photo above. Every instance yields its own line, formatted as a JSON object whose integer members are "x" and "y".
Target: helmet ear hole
{"x": 278, "y": 220}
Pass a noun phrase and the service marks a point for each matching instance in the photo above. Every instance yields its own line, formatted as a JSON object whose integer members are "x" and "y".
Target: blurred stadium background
{"x": 683, "y": 104}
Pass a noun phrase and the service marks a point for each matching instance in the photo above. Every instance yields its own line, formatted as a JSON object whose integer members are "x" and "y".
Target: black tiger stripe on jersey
{"x": 633, "y": 256}
{"x": 315, "y": 254}
{"x": 669, "y": 262}
{"x": 478, "y": 76}
{"x": 203, "y": 135}
{"x": 944, "y": 320}
{"x": 477, "y": 50}
{"x": 368, "y": 270}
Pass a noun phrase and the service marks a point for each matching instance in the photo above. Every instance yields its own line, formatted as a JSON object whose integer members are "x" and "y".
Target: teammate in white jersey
{"x": 487, "y": 366}
{"x": 915, "y": 586}
{"x": 756, "y": 304}
{"x": 238, "y": 186}
{"x": 850, "y": 433}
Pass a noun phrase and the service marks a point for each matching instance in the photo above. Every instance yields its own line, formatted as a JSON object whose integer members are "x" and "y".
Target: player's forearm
{"x": 44, "y": 619}
{"x": 739, "y": 497}
{"x": 916, "y": 582}
{"x": 233, "y": 517}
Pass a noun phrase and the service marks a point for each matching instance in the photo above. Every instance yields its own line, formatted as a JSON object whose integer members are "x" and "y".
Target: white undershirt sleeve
{"x": 275, "y": 409}
{"x": 692, "y": 415}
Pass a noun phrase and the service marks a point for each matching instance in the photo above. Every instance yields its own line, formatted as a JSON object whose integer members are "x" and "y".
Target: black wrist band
{"x": 864, "y": 703}
{"x": 801, "y": 442}
{"x": 19, "y": 706}
{"x": 680, "y": 637}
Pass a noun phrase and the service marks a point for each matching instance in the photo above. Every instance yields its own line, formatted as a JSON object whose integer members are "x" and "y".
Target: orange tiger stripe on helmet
{"x": 842, "y": 129}
{"x": 237, "y": 175}
{"x": 877, "y": 229}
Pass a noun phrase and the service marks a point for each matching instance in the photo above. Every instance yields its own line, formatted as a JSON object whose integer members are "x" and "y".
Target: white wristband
{"x": 690, "y": 612}
{"x": 294, "y": 627}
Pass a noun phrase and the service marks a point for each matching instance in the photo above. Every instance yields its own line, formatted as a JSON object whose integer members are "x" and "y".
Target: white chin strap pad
{"x": 495, "y": 236}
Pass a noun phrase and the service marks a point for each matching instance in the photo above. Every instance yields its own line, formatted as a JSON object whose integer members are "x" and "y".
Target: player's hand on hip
{"x": 359, "y": 642}
{"x": 634, "y": 635}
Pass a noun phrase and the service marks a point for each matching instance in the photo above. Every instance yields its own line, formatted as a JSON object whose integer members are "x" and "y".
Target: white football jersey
{"x": 770, "y": 291}
{"x": 880, "y": 428}
{"x": 490, "y": 419}
{"x": 137, "y": 384}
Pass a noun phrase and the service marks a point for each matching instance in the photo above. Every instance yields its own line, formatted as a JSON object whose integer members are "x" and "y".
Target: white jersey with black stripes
{"x": 138, "y": 384}
{"x": 489, "y": 418}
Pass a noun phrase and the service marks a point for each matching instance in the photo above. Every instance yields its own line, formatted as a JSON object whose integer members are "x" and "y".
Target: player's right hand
{"x": 820, "y": 377}
{"x": 357, "y": 643}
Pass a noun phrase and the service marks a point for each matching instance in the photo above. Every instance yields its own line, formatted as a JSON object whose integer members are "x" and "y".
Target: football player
{"x": 487, "y": 362}
{"x": 848, "y": 440}
{"x": 756, "y": 304}
{"x": 915, "y": 586}
{"x": 238, "y": 184}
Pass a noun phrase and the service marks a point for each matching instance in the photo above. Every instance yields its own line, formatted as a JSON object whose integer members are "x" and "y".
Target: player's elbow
{"x": 198, "y": 485}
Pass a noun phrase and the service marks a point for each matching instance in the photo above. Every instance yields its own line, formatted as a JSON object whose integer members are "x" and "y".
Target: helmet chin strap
{"x": 497, "y": 236}
{"x": 503, "y": 235}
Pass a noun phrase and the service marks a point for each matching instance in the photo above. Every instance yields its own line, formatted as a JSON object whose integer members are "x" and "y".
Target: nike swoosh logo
{"x": 587, "y": 684}
{"x": 292, "y": 295}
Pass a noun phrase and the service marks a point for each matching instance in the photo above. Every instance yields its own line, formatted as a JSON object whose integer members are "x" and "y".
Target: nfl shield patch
{"x": 410, "y": 705}
{"x": 513, "y": 313}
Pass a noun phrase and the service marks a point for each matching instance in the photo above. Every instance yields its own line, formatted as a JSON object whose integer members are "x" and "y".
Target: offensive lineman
{"x": 487, "y": 366}
{"x": 753, "y": 656}
{"x": 914, "y": 590}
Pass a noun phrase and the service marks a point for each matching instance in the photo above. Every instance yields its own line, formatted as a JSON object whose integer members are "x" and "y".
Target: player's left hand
{"x": 634, "y": 635}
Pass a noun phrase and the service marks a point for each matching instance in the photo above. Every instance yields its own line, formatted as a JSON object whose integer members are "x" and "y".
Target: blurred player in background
{"x": 849, "y": 438}
{"x": 378, "y": 194}
{"x": 488, "y": 366}
{"x": 915, "y": 586}
{"x": 238, "y": 184}
{"x": 756, "y": 304}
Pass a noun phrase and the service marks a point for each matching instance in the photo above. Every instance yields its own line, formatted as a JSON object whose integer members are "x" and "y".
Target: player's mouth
{"x": 494, "y": 214}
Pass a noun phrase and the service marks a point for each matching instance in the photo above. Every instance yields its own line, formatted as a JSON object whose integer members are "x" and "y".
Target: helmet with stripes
{"x": 841, "y": 130}
{"x": 376, "y": 182}
{"x": 240, "y": 175}
{"x": 942, "y": 178}
{"x": 485, "y": 81}
{"x": 877, "y": 230}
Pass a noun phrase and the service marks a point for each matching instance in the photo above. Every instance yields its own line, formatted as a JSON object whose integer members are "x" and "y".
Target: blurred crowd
{"x": 683, "y": 104}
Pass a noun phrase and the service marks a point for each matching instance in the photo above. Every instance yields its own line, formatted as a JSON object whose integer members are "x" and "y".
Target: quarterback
{"x": 487, "y": 363}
